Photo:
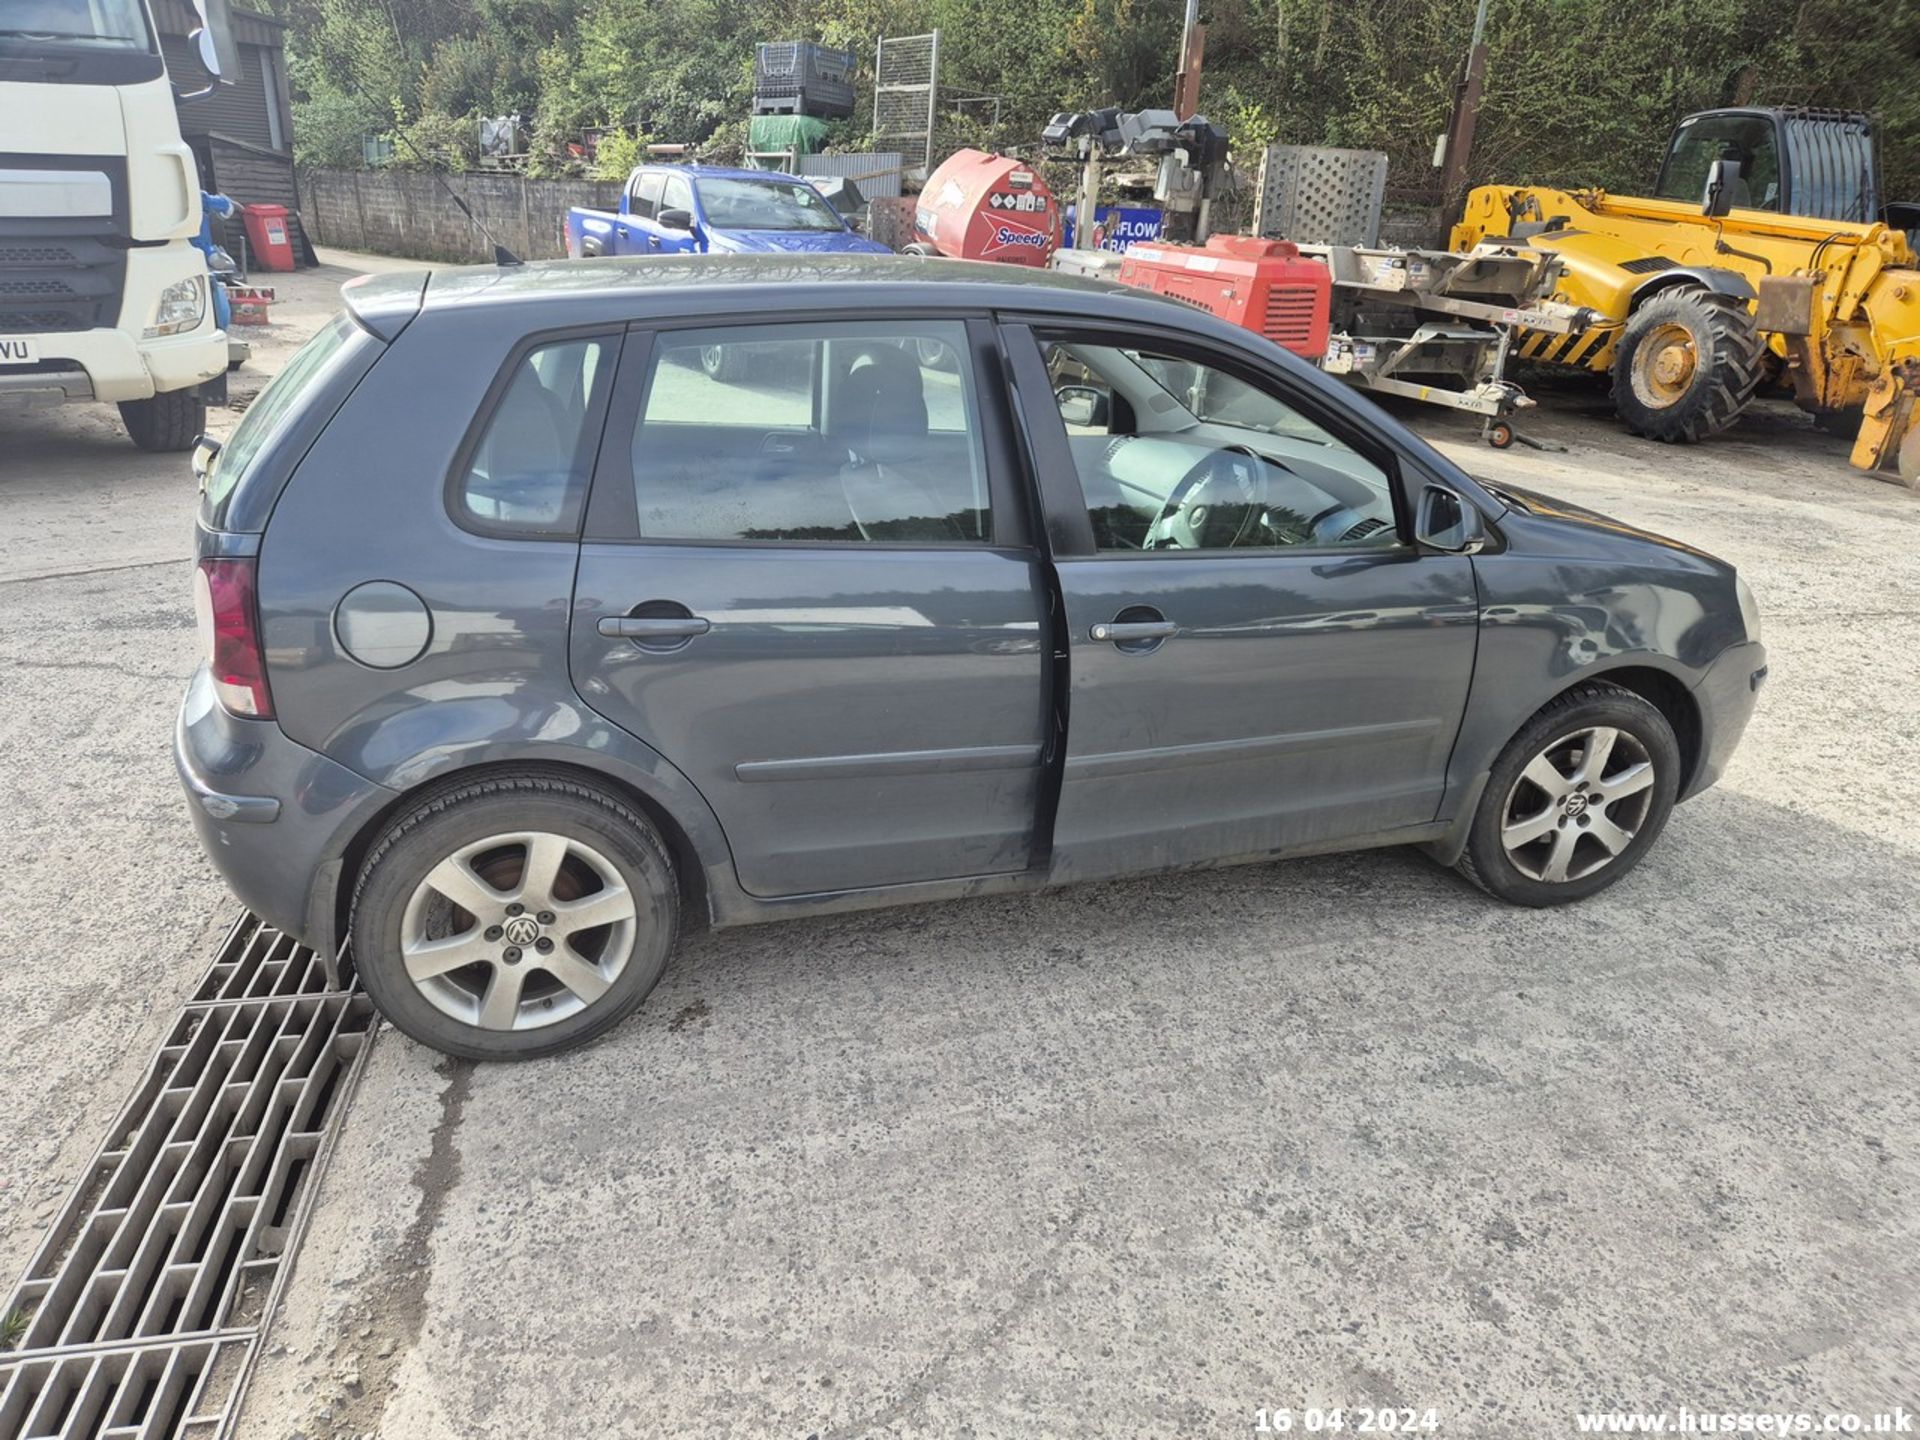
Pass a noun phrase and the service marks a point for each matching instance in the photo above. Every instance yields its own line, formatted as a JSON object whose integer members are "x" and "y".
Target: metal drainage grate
{"x": 142, "y": 1308}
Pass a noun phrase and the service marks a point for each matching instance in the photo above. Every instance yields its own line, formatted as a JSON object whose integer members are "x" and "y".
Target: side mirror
{"x": 213, "y": 42}
{"x": 1723, "y": 178}
{"x": 676, "y": 219}
{"x": 1082, "y": 405}
{"x": 1448, "y": 523}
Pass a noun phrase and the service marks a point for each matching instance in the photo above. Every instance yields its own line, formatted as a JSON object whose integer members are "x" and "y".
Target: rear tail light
{"x": 224, "y": 600}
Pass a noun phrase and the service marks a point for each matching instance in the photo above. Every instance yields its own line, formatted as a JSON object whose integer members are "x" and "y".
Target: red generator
{"x": 1263, "y": 285}
{"x": 977, "y": 206}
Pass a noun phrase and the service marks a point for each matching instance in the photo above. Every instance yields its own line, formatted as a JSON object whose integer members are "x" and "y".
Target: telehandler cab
{"x": 1766, "y": 259}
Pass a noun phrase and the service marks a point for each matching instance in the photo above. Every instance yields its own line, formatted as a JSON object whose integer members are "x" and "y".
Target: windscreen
{"x": 1747, "y": 140}
{"x": 765, "y": 205}
{"x": 117, "y": 23}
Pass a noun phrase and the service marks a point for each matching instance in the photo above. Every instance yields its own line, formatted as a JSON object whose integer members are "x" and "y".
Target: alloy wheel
{"x": 1578, "y": 804}
{"x": 517, "y": 931}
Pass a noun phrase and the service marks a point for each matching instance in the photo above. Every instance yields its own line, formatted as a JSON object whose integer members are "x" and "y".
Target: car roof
{"x": 775, "y": 286}
{"x": 722, "y": 172}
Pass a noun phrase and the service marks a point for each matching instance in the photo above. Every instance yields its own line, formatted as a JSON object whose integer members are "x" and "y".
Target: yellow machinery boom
{"x": 1824, "y": 310}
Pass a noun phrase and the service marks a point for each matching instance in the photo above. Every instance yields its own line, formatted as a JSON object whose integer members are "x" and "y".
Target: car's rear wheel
{"x": 723, "y": 362}
{"x": 514, "y": 916}
{"x": 1576, "y": 799}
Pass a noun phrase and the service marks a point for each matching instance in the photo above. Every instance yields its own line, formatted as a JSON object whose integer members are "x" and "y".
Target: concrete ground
{"x": 1127, "y": 1159}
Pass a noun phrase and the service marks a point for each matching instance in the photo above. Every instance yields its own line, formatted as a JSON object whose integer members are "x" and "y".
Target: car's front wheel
{"x": 1576, "y": 799}
{"x": 514, "y": 916}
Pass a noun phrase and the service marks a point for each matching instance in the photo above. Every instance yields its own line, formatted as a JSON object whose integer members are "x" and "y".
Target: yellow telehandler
{"x": 1765, "y": 259}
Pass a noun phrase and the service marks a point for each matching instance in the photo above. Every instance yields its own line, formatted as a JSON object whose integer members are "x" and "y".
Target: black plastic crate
{"x": 799, "y": 64}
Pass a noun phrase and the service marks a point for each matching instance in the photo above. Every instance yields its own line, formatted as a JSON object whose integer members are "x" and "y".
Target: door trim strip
{"x": 1252, "y": 747}
{"x": 891, "y": 762}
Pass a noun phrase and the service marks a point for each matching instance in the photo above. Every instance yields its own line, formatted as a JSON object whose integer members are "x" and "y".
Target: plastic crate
{"x": 820, "y": 101}
{"x": 792, "y": 64}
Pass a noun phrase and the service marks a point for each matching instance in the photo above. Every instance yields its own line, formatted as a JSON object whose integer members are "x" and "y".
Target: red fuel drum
{"x": 1263, "y": 285}
{"x": 978, "y": 206}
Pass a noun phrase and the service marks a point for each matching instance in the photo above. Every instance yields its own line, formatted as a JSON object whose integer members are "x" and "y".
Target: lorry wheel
{"x": 1686, "y": 365}
{"x": 172, "y": 420}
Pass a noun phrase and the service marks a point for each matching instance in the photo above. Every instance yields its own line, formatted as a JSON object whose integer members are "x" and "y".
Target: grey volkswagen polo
{"x": 526, "y": 636}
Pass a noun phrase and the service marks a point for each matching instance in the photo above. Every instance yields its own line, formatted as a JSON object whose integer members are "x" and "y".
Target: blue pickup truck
{"x": 677, "y": 208}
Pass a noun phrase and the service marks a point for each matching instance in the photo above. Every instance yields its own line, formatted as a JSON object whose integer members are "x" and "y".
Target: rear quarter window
{"x": 283, "y": 420}
{"x": 524, "y": 472}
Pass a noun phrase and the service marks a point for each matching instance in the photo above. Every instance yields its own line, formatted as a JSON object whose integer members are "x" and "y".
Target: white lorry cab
{"x": 103, "y": 295}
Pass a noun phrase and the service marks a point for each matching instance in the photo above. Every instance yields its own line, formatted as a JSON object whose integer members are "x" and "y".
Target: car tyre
{"x": 725, "y": 363}
{"x": 170, "y": 421}
{"x": 432, "y": 965}
{"x": 1551, "y": 826}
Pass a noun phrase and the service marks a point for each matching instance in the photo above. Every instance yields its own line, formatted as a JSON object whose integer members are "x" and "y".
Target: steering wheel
{"x": 1233, "y": 474}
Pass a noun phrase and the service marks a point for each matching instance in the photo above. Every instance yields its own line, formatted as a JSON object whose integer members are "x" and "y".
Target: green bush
{"x": 328, "y": 128}
{"x": 437, "y": 142}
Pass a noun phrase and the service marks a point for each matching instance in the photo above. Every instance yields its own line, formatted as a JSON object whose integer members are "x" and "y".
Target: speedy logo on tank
{"x": 1007, "y": 235}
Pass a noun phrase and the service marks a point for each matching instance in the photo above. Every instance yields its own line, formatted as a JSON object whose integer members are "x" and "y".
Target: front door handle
{"x": 647, "y": 627}
{"x": 1120, "y": 632}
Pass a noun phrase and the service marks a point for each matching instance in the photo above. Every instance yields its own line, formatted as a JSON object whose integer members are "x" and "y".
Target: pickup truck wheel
{"x": 723, "y": 362}
{"x": 172, "y": 420}
{"x": 1686, "y": 365}
{"x": 514, "y": 916}
{"x": 1576, "y": 798}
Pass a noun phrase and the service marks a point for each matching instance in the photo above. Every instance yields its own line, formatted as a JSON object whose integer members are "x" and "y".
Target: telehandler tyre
{"x": 1686, "y": 365}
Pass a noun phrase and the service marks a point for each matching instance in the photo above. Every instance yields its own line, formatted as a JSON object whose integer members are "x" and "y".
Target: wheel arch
{"x": 1714, "y": 279}
{"x": 1666, "y": 691}
{"x": 1668, "y": 694}
{"x": 701, "y": 873}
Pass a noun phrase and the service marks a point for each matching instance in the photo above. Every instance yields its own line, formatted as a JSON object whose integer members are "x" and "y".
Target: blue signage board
{"x": 1121, "y": 225}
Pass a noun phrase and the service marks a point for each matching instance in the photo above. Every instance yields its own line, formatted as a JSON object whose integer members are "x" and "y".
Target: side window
{"x": 1176, "y": 455}
{"x": 528, "y": 473}
{"x": 679, "y": 194}
{"x": 646, "y": 194}
{"x": 811, "y": 433}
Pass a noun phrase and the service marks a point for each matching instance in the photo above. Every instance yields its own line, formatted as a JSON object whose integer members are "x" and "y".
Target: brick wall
{"x": 397, "y": 212}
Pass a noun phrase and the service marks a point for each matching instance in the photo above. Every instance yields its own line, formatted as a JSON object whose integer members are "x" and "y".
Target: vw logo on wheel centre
{"x": 522, "y": 930}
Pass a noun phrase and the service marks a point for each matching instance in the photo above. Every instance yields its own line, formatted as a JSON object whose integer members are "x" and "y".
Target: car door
{"x": 806, "y": 582}
{"x": 1261, "y": 659}
{"x": 639, "y": 235}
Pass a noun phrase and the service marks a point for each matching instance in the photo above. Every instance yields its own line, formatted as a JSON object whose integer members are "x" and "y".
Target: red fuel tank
{"x": 977, "y": 206}
{"x": 1263, "y": 285}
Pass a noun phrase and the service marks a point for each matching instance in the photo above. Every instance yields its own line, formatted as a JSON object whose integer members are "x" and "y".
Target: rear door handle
{"x": 1121, "y": 631}
{"x": 633, "y": 627}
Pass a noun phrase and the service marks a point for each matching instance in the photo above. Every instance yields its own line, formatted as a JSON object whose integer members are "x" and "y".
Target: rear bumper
{"x": 1726, "y": 695}
{"x": 274, "y": 817}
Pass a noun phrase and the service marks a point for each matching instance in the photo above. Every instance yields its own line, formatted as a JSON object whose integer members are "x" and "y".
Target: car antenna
{"x": 502, "y": 256}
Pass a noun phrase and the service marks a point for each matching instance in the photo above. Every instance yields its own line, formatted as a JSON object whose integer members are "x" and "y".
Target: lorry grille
{"x": 56, "y": 286}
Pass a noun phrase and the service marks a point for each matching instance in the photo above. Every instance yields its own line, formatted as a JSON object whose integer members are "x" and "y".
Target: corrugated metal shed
{"x": 877, "y": 173}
